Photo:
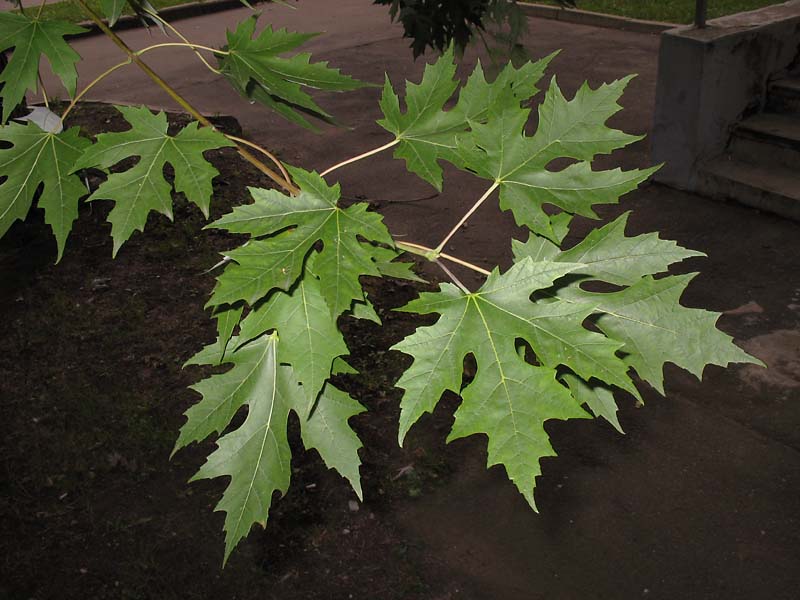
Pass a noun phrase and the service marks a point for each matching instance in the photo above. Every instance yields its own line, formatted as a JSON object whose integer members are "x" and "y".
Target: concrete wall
{"x": 709, "y": 78}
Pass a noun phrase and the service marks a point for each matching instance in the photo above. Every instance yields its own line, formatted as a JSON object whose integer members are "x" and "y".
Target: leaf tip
{"x": 357, "y": 489}
{"x": 528, "y": 495}
{"x": 179, "y": 444}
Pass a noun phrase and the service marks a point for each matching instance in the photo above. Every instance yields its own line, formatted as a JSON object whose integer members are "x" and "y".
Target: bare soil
{"x": 698, "y": 500}
{"x": 93, "y": 391}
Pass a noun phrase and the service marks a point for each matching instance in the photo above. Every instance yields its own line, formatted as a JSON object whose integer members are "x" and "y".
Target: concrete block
{"x": 708, "y": 79}
{"x": 784, "y": 96}
{"x": 771, "y": 189}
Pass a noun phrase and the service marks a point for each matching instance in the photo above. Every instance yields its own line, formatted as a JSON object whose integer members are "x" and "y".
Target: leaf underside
{"x": 112, "y": 9}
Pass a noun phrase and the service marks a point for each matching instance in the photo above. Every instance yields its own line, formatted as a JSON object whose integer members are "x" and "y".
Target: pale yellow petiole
{"x": 263, "y": 151}
{"x": 44, "y": 91}
{"x": 180, "y": 45}
{"x": 452, "y": 277}
{"x": 94, "y": 82}
{"x": 174, "y": 30}
{"x": 464, "y": 219}
{"x": 359, "y": 157}
{"x": 432, "y": 254}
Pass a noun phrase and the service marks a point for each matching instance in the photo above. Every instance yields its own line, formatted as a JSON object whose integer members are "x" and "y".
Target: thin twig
{"x": 180, "y": 45}
{"x": 96, "y": 80}
{"x": 466, "y": 216}
{"x": 287, "y": 185}
{"x": 41, "y": 7}
{"x": 359, "y": 157}
{"x": 173, "y": 29}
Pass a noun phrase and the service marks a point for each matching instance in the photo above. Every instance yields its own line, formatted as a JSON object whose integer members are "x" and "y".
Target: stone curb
{"x": 172, "y": 13}
{"x": 579, "y": 17}
{"x": 594, "y": 19}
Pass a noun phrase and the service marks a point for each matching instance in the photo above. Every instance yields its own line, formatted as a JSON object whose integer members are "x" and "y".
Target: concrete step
{"x": 784, "y": 96}
{"x": 768, "y": 139}
{"x": 769, "y": 188}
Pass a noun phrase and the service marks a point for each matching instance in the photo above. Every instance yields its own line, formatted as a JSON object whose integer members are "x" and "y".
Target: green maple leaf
{"x": 540, "y": 300}
{"x": 256, "y": 456}
{"x": 598, "y": 397}
{"x": 40, "y": 158}
{"x": 426, "y": 132}
{"x": 517, "y": 164}
{"x": 609, "y": 255}
{"x": 112, "y": 9}
{"x": 143, "y": 188}
{"x": 31, "y": 38}
{"x": 311, "y": 338}
{"x": 328, "y": 432}
{"x": 224, "y": 394}
{"x": 285, "y": 229}
{"x": 228, "y": 318}
{"x": 256, "y": 69}
{"x": 509, "y": 399}
{"x": 655, "y": 329}
{"x": 647, "y": 315}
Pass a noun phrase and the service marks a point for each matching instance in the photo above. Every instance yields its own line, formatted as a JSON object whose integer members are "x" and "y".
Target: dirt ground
{"x": 93, "y": 395}
{"x": 698, "y": 500}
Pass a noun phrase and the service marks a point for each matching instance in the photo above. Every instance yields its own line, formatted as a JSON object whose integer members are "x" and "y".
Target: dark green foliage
{"x": 436, "y": 24}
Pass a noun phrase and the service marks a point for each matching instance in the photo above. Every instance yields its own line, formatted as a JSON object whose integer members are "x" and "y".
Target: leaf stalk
{"x": 173, "y": 29}
{"x": 432, "y": 255}
{"x": 94, "y": 82}
{"x": 184, "y": 44}
{"x": 44, "y": 91}
{"x": 360, "y": 156}
{"x": 468, "y": 214}
{"x": 452, "y": 277}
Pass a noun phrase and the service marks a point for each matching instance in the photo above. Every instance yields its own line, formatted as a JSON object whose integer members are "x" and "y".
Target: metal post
{"x": 700, "y": 12}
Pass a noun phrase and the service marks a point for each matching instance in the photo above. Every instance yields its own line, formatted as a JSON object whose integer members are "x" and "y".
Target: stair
{"x": 761, "y": 167}
{"x": 784, "y": 96}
